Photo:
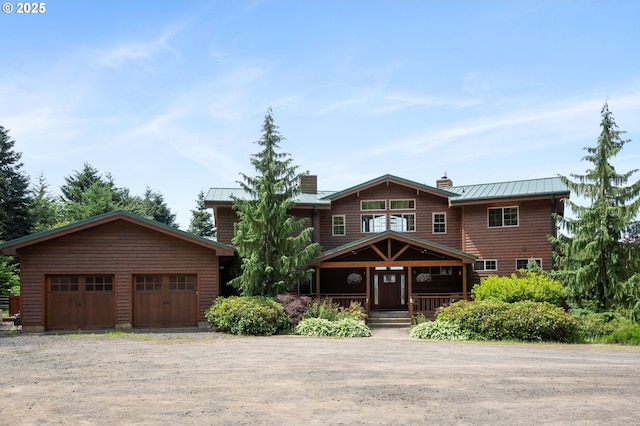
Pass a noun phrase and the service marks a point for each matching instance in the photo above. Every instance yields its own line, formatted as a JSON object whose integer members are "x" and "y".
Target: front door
{"x": 389, "y": 288}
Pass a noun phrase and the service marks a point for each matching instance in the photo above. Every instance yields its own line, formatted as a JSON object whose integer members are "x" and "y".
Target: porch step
{"x": 389, "y": 319}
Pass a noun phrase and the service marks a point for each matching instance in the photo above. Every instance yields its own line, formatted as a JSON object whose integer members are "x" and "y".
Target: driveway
{"x": 212, "y": 378}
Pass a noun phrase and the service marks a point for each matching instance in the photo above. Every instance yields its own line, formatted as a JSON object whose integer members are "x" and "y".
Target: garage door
{"x": 165, "y": 300}
{"x": 80, "y": 302}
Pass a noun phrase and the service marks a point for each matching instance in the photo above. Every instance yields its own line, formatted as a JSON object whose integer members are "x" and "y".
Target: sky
{"x": 172, "y": 95}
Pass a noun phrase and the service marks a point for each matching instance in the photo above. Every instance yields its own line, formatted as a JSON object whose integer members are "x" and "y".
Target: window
{"x": 439, "y": 223}
{"x": 373, "y": 222}
{"x": 485, "y": 265}
{"x": 338, "y": 225}
{"x": 522, "y": 263}
{"x": 100, "y": 283}
{"x": 182, "y": 282}
{"x": 402, "y": 204}
{"x": 403, "y": 222}
{"x": 63, "y": 284}
{"x": 503, "y": 216}
{"x": 373, "y": 205}
{"x": 148, "y": 282}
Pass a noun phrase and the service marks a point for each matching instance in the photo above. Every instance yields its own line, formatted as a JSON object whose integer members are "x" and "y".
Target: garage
{"x": 116, "y": 270}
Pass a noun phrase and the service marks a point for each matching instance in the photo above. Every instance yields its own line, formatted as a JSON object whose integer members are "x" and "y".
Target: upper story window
{"x": 373, "y": 222}
{"x": 402, "y": 204}
{"x": 503, "y": 216}
{"x": 485, "y": 265}
{"x": 522, "y": 263}
{"x": 373, "y": 205}
{"x": 439, "y": 223}
{"x": 403, "y": 222}
{"x": 338, "y": 225}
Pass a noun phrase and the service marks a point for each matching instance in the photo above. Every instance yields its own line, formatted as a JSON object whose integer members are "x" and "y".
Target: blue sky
{"x": 172, "y": 94}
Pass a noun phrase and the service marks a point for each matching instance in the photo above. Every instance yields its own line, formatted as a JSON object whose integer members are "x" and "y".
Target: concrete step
{"x": 389, "y": 319}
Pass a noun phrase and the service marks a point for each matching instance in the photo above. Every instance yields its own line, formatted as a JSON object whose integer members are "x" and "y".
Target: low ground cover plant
{"x": 325, "y": 318}
{"x": 438, "y": 330}
{"x": 497, "y": 320}
{"x": 253, "y": 316}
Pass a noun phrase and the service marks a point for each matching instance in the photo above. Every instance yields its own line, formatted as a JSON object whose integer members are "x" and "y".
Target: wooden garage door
{"x": 165, "y": 300}
{"x": 80, "y": 302}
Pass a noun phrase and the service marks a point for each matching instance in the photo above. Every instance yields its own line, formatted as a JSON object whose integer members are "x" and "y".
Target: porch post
{"x": 464, "y": 281}
{"x": 318, "y": 282}
{"x": 410, "y": 291}
{"x": 368, "y": 302}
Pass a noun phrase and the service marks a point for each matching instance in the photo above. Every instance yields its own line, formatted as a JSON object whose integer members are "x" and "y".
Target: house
{"x": 395, "y": 244}
{"x": 116, "y": 270}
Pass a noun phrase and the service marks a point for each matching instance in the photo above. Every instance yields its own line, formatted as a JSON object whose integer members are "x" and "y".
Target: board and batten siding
{"x": 116, "y": 248}
{"x": 506, "y": 244}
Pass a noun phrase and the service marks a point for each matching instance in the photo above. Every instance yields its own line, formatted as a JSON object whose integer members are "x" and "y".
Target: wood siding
{"x": 225, "y": 217}
{"x": 118, "y": 248}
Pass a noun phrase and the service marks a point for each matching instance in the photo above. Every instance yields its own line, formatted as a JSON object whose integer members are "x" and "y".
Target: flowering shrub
{"x": 254, "y": 316}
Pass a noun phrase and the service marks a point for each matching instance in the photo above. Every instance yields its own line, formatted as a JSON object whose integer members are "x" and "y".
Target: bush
{"x": 329, "y": 310}
{"x": 294, "y": 306}
{"x": 496, "y": 320}
{"x": 253, "y": 316}
{"x": 438, "y": 330}
{"x": 529, "y": 286}
{"x": 418, "y": 318}
{"x": 628, "y": 334}
{"x": 321, "y": 327}
{"x": 606, "y": 327}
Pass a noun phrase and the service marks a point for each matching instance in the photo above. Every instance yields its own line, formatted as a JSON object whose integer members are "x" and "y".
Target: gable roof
{"x": 10, "y": 247}
{"x": 379, "y": 236}
{"x": 389, "y": 179}
{"x": 510, "y": 189}
{"x": 225, "y": 196}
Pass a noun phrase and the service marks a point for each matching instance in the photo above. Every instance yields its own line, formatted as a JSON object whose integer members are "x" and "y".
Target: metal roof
{"x": 385, "y": 178}
{"x": 225, "y": 195}
{"x": 511, "y": 189}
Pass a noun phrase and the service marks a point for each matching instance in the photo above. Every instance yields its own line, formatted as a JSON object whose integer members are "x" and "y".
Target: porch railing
{"x": 428, "y": 304}
{"x": 345, "y": 300}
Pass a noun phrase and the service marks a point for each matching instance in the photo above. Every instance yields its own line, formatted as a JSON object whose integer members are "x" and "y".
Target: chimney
{"x": 308, "y": 184}
{"x": 444, "y": 182}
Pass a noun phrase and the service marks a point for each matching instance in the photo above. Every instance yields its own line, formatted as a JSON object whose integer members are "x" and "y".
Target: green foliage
{"x": 329, "y": 310}
{"x": 495, "y": 320}
{"x": 598, "y": 266}
{"x": 321, "y": 327}
{"x": 9, "y": 275}
{"x": 418, "y": 318}
{"x": 254, "y": 316}
{"x": 15, "y": 217}
{"x": 201, "y": 219}
{"x": 626, "y": 335}
{"x": 438, "y": 330}
{"x": 595, "y": 327}
{"x": 46, "y": 210}
{"x": 533, "y": 286}
{"x": 275, "y": 248}
{"x": 355, "y": 311}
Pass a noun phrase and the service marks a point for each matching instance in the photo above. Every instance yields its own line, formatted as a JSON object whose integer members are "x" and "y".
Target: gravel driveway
{"x": 212, "y": 378}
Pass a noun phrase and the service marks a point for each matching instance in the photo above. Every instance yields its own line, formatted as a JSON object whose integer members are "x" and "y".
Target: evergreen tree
{"x": 201, "y": 219}
{"x": 86, "y": 193}
{"x": 600, "y": 269}
{"x": 274, "y": 247}
{"x": 46, "y": 210}
{"x": 15, "y": 220}
{"x": 151, "y": 206}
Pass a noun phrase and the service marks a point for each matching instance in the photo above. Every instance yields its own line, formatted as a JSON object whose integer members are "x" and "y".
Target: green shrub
{"x": 529, "y": 286}
{"x": 495, "y": 320}
{"x": 328, "y": 309}
{"x": 354, "y": 311}
{"x": 438, "y": 330}
{"x": 253, "y": 316}
{"x": 606, "y": 327}
{"x": 628, "y": 334}
{"x": 321, "y": 327}
{"x": 418, "y": 318}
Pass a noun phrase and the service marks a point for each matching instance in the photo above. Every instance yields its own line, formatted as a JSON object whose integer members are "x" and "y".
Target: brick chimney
{"x": 308, "y": 184}
{"x": 444, "y": 182}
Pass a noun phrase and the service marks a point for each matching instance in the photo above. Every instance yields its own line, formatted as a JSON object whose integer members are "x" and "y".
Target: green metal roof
{"x": 512, "y": 189}
{"x": 393, "y": 178}
{"x": 225, "y": 195}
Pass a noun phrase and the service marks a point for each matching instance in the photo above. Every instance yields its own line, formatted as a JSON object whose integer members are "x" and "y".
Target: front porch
{"x": 392, "y": 271}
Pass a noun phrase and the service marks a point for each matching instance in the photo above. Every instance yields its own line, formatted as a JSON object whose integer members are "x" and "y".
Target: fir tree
{"x": 15, "y": 218}
{"x": 275, "y": 248}
{"x": 201, "y": 220}
{"x": 46, "y": 210}
{"x": 600, "y": 269}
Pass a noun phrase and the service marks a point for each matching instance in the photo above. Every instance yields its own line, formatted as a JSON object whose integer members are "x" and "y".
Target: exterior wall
{"x": 119, "y": 248}
{"x": 426, "y": 204}
{"x": 506, "y": 244}
{"x": 225, "y": 217}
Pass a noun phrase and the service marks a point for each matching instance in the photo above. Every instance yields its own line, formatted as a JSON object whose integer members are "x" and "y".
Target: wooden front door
{"x": 79, "y": 302}
{"x": 165, "y": 301}
{"x": 389, "y": 289}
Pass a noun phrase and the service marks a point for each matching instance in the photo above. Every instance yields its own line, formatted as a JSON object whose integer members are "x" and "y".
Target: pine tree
{"x": 152, "y": 206}
{"x": 15, "y": 219}
{"x": 46, "y": 210}
{"x": 275, "y": 248}
{"x": 600, "y": 269}
{"x": 201, "y": 220}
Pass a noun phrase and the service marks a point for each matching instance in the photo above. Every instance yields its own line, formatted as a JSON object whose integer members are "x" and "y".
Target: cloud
{"x": 138, "y": 53}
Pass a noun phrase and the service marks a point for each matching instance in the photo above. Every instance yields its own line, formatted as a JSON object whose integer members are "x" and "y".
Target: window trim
{"x": 374, "y": 216}
{"x": 402, "y": 217}
{"x": 526, "y": 260}
{"x": 484, "y": 265}
{"x": 403, "y": 208}
{"x": 433, "y": 222}
{"x": 344, "y": 225}
{"x": 502, "y": 225}
{"x": 373, "y": 210}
